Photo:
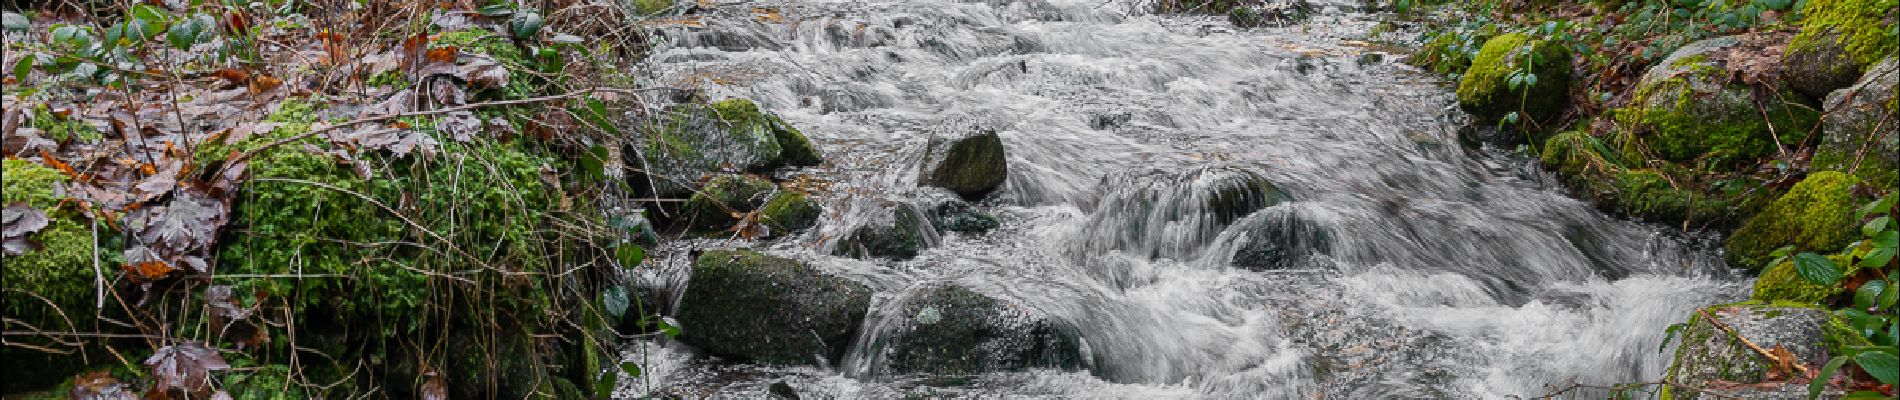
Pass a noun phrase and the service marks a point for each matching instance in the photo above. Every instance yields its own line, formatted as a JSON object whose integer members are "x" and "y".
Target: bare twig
{"x": 1798, "y": 367}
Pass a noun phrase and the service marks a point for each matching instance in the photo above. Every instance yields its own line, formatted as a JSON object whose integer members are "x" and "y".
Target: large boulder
{"x": 1838, "y": 39}
{"x": 895, "y": 231}
{"x": 1708, "y": 354}
{"x": 971, "y": 164}
{"x": 952, "y": 330}
{"x": 1687, "y": 107}
{"x": 1487, "y": 91}
{"x": 1861, "y": 129}
{"x": 753, "y": 306}
{"x": 1816, "y": 215}
{"x": 693, "y": 141}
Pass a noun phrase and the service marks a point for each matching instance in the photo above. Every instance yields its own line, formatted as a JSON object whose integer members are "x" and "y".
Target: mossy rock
{"x": 52, "y": 288}
{"x": 1450, "y": 52}
{"x": 1650, "y": 194}
{"x": 1782, "y": 283}
{"x": 1687, "y": 109}
{"x": 1838, "y": 40}
{"x": 1816, "y": 215}
{"x": 1861, "y": 129}
{"x": 789, "y": 211}
{"x": 753, "y": 306}
{"x": 971, "y": 164}
{"x": 952, "y": 330}
{"x": 692, "y": 142}
{"x": 714, "y": 206}
{"x": 1486, "y": 92}
{"x": 949, "y": 213}
{"x": 896, "y": 231}
{"x": 1707, "y": 353}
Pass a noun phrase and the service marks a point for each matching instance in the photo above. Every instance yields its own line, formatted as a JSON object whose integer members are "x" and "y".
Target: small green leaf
{"x": 631, "y": 368}
{"x": 604, "y": 387}
{"x": 1816, "y": 269}
{"x": 180, "y": 36}
{"x": 1869, "y": 294}
{"x": 22, "y": 68}
{"x": 150, "y": 14}
{"x": 496, "y": 10}
{"x": 1820, "y": 381}
{"x": 15, "y": 22}
{"x": 630, "y": 255}
{"x": 1875, "y": 226}
{"x": 614, "y": 299}
{"x": 668, "y": 328}
{"x": 1866, "y": 395}
{"x": 1883, "y": 366}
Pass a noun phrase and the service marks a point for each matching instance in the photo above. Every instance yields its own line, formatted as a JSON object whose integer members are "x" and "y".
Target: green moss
{"x": 744, "y": 304}
{"x": 1725, "y": 126}
{"x": 652, "y": 7}
{"x": 62, "y": 128}
{"x": 52, "y": 288}
{"x": 713, "y": 207}
{"x": 1576, "y": 153}
{"x": 1648, "y": 193}
{"x": 1816, "y": 215}
{"x": 1486, "y": 92}
{"x": 1782, "y": 283}
{"x": 789, "y": 211}
{"x": 480, "y": 41}
{"x": 1862, "y": 29}
{"x": 744, "y": 117}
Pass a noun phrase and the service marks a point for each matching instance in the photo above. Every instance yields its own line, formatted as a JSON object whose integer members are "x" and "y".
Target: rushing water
{"x": 1443, "y": 272}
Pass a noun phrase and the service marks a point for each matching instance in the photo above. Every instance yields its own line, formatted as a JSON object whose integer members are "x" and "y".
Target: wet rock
{"x": 1486, "y": 90}
{"x": 1816, "y": 215}
{"x": 1861, "y": 128}
{"x": 783, "y": 391}
{"x": 487, "y": 366}
{"x": 1838, "y": 39}
{"x": 972, "y": 165}
{"x": 1687, "y": 107}
{"x": 895, "y": 232}
{"x": 714, "y": 206}
{"x": 1279, "y": 240}
{"x": 753, "y": 306}
{"x": 948, "y": 213}
{"x": 1707, "y": 353}
{"x": 694, "y": 141}
{"x": 951, "y": 330}
{"x": 1271, "y": 13}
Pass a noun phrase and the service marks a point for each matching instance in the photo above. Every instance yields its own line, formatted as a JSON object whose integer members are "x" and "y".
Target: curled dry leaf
{"x": 17, "y": 221}
{"x": 100, "y": 385}
{"x": 185, "y": 366}
{"x": 462, "y": 126}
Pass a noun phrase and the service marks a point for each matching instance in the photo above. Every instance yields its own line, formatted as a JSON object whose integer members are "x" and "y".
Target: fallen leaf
{"x": 17, "y": 221}
{"x": 462, "y": 126}
{"x": 185, "y": 366}
{"x": 444, "y": 54}
{"x": 100, "y": 385}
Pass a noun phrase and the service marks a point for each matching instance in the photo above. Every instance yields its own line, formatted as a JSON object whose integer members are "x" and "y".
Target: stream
{"x": 1428, "y": 269}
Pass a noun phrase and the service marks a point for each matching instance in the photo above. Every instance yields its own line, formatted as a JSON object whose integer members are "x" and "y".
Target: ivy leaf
{"x": 1875, "y": 226}
{"x": 1816, "y": 269}
{"x": 1869, "y": 293}
{"x": 525, "y": 24}
{"x": 15, "y": 22}
{"x": 185, "y": 366}
{"x": 1886, "y": 245}
{"x": 22, "y": 68}
{"x": 631, "y": 368}
{"x": 1882, "y": 365}
{"x": 615, "y": 300}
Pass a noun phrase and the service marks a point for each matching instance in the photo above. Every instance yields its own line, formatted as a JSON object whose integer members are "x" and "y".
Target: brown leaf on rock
{"x": 100, "y": 385}
{"x": 17, "y": 221}
{"x": 1784, "y": 368}
{"x": 185, "y": 366}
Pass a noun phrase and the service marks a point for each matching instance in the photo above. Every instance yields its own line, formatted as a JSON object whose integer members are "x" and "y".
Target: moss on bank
{"x": 1816, "y": 215}
{"x": 1515, "y": 72}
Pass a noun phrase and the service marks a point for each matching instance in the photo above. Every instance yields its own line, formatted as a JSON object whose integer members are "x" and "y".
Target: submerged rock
{"x": 895, "y": 232}
{"x": 972, "y": 165}
{"x": 789, "y": 211}
{"x": 1155, "y": 213}
{"x": 1816, "y": 215}
{"x": 1861, "y": 129}
{"x": 951, "y": 330}
{"x": 753, "y": 306}
{"x": 1687, "y": 108}
{"x": 1838, "y": 39}
{"x": 1707, "y": 353}
{"x": 1278, "y": 241}
{"x": 1486, "y": 90}
{"x": 948, "y": 213}
{"x": 693, "y": 141}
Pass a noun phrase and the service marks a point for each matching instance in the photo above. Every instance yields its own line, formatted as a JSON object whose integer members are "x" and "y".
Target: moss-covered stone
{"x": 741, "y": 303}
{"x": 952, "y": 330}
{"x": 789, "y": 211}
{"x": 1686, "y": 108}
{"x": 1649, "y": 194}
{"x": 1838, "y": 39}
{"x": 1707, "y": 353}
{"x": 1861, "y": 129}
{"x": 971, "y": 164}
{"x": 1449, "y": 52}
{"x": 695, "y": 141}
{"x": 1782, "y": 283}
{"x": 1816, "y": 215}
{"x": 717, "y": 204}
{"x": 1486, "y": 91}
{"x": 50, "y": 289}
